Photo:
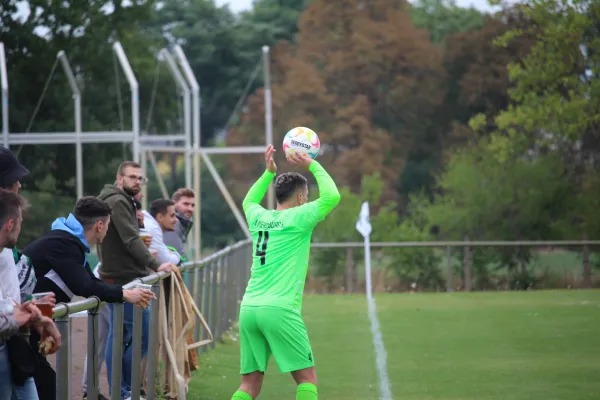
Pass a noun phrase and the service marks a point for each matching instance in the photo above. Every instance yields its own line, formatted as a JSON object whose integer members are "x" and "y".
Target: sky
{"x": 241, "y": 5}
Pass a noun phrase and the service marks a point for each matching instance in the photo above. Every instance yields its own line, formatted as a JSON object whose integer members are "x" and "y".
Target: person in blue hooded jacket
{"x": 59, "y": 259}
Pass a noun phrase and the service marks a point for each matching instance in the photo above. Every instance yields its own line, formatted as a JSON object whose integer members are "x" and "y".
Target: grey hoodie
{"x": 177, "y": 238}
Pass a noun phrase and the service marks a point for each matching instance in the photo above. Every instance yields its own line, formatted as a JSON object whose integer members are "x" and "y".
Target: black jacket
{"x": 63, "y": 253}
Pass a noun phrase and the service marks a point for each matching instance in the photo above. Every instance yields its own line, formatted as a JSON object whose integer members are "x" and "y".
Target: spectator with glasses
{"x": 124, "y": 258}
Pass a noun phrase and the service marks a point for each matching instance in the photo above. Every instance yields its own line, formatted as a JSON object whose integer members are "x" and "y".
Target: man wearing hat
{"x": 11, "y": 173}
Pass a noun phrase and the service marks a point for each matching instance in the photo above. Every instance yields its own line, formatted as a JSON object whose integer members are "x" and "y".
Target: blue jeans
{"x": 8, "y": 390}
{"x": 127, "y": 348}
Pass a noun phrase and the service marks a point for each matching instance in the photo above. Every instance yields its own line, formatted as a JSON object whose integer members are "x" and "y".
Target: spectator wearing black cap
{"x": 11, "y": 171}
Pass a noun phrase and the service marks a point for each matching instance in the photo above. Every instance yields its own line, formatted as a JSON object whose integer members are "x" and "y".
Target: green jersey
{"x": 281, "y": 242}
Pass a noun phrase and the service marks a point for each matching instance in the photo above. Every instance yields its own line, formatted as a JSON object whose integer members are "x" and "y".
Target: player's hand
{"x": 299, "y": 159}
{"x": 140, "y": 297}
{"x": 271, "y": 167}
{"x": 154, "y": 253}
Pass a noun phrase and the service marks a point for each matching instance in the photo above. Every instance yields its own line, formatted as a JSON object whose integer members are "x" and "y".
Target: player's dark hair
{"x": 286, "y": 185}
{"x": 160, "y": 206}
{"x": 10, "y": 204}
{"x": 90, "y": 209}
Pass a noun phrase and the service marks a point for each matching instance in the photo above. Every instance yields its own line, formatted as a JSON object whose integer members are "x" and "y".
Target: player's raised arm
{"x": 260, "y": 187}
{"x": 329, "y": 196}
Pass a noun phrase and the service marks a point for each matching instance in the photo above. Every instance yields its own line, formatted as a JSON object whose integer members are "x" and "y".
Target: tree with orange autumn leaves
{"x": 364, "y": 78}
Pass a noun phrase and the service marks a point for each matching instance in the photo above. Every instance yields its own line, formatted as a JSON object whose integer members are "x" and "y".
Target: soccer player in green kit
{"x": 270, "y": 314}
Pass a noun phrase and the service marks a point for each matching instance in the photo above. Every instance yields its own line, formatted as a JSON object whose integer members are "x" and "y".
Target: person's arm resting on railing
{"x": 79, "y": 280}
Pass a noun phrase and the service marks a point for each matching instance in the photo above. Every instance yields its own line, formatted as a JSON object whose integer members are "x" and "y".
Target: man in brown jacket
{"x": 124, "y": 258}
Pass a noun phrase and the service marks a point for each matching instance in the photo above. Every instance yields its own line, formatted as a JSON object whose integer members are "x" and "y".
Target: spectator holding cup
{"x": 17, "y": 362}
{"x": 61, "y": 267}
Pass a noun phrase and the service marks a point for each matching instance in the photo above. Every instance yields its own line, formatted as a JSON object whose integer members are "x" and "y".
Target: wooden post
{"x": 587, "y": 271}
{"x": 467, "y": 266}
{"x": 350, "y": 275}
{"x": 448, "y": 269}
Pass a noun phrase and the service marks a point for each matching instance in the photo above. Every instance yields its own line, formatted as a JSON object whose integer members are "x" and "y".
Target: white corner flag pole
{"x": 363, "y": 225}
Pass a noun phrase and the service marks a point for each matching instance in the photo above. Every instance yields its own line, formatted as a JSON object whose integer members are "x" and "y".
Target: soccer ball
{"x": 301, "y": 140}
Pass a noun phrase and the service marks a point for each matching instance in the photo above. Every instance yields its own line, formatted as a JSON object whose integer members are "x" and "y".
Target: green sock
{"x": 239, "y": 395}
{"x": 306, "y": 391}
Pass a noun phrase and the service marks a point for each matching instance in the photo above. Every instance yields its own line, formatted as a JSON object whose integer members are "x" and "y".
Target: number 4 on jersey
{"x": 263, "y": 238}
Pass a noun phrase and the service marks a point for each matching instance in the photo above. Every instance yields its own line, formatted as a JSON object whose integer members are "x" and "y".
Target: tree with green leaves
{"x": 40, "y": 98}
{"x": 482, "y": 198}
{"x": 215, "y": 45}
{"x": 407, "y": 265}
{"x": 444, "y": 17}
{"x": 270, "y": 21}
{"x": 415, "y": 267}
{"x": 554, "y": 106}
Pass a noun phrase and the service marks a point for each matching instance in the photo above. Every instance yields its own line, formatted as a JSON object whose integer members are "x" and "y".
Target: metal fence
{"x": 216, "y": 283}
{"x": 461, "y": 264}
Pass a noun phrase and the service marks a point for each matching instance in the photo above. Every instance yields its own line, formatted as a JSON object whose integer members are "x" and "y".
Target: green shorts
{"x": 271, "y": 330}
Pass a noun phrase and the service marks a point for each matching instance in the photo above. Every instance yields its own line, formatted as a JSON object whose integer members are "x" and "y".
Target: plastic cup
{"x": 144, "y": 235}
{"x": 45, "y": 307}
{"x": 142, "y": 286}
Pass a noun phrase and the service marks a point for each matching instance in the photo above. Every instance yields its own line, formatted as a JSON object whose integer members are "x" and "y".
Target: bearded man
{"x": 125, "y": 257}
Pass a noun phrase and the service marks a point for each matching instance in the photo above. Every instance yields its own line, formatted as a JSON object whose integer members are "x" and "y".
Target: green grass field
{"x": 496, "y": 345}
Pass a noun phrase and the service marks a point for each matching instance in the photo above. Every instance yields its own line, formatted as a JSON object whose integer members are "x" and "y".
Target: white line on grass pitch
{"x": 385, "y": 392}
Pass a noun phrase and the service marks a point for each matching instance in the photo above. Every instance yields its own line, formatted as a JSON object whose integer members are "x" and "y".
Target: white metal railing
{"x": 476, "y": 243}
{"x": 216, "y": 284}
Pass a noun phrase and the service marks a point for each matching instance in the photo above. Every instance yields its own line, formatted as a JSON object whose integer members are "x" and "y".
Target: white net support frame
{"x": 144, "y": 144}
